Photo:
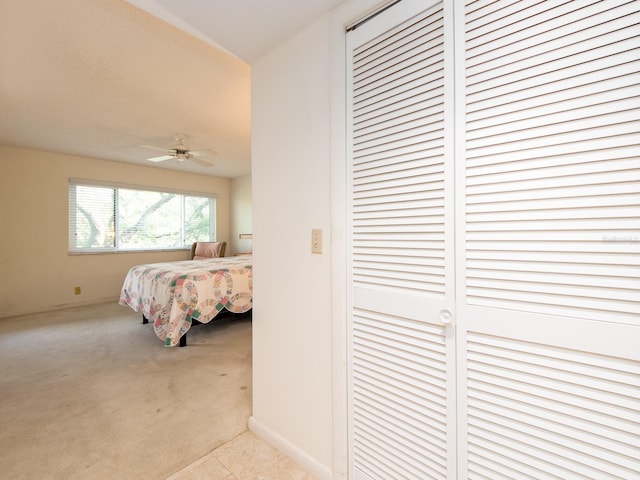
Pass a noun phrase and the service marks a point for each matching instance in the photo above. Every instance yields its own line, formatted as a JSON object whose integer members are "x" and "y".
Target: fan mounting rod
{"x": 180, "y": 138}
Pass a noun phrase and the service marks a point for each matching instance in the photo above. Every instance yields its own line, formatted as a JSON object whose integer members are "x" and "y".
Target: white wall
{"x": 299, "y": 316}
{"x": 292, "y": 195}
{"x": 241, "y": 215}
{"x": 36, "y": 271}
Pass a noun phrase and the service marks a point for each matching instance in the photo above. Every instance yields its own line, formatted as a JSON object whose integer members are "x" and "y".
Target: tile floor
{"x": 246, "y": 457}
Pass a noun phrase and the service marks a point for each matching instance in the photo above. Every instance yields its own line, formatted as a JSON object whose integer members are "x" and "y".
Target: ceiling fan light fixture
{"x": 180, "y": 152}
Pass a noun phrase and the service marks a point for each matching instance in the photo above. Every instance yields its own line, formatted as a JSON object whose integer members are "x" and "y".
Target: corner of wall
{"x": 310, "y": 464}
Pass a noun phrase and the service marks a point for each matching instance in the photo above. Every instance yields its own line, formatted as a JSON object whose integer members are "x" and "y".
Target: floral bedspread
{"x": 172, "y": 294}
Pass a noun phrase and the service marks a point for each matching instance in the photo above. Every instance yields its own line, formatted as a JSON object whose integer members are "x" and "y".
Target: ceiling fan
{"x": 180, "y": 151}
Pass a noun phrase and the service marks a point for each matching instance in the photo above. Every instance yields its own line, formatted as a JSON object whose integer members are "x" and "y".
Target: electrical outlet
{"x": 77, "y": 290}
{"x": 316, "y": 240}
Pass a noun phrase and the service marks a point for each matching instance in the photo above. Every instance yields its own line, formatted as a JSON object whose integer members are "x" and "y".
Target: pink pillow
{"x": 206, "y": 250}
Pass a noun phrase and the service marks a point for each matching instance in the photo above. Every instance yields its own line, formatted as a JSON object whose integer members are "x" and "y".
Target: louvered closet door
{"x": 550, "y": 231}
{"x": 401, "y": 353}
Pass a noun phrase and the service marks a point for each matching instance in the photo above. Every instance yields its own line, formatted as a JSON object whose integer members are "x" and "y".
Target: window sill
{"x": 118, "y": 252}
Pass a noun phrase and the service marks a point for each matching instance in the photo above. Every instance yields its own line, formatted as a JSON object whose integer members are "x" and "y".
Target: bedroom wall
{"x": 38, "y": 274}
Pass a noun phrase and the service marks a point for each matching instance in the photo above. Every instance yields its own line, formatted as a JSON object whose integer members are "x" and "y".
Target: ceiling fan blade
{"x": 161, "y": 158}
{"x": 208, "y": 151}
{"x": 199, "y": 161}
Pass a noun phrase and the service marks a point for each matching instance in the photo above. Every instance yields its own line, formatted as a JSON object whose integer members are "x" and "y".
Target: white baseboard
{"x": 310, "y": 464}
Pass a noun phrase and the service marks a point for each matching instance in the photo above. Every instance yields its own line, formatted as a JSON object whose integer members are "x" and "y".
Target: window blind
{"x": 113, "y": 218}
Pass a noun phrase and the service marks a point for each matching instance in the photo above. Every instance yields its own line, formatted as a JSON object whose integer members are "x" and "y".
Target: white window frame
{"x": 186, "y": 244}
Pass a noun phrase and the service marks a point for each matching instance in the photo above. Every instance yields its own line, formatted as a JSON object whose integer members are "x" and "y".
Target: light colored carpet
{"x": 91, "y": 393}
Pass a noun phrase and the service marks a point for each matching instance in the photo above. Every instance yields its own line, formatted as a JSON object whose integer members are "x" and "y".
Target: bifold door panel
{"x": 494, "y": 241}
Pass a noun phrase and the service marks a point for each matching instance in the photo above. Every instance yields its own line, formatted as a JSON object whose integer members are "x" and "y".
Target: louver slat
{"x": 381, "y": 168}
{"x": 552, "y": 228}
{"x": 552, "y": 170}
{"x": 400, "y": 393}
{"x": 566, "y": 413}
{"x": 399, "y": 369}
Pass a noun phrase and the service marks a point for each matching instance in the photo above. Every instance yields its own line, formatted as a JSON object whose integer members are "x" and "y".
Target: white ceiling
{"x": 245, "y": 28}
{"x": 100, "y": 78}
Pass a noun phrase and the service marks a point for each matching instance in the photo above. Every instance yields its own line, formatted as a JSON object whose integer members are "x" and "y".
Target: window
{"x": 107, "y": 218}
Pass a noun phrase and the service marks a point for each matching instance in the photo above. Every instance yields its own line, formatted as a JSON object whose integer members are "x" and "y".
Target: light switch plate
{"x": 316, "y": 240}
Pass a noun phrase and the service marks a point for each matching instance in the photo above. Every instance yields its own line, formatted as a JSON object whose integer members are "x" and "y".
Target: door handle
{"x": 446, "y": 316}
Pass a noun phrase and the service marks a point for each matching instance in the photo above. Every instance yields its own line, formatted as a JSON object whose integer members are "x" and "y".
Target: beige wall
{"x": 36, "y": 271}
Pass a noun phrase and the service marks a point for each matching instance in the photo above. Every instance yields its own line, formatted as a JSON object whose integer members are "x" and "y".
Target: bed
{"x": 175, "y": 295}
